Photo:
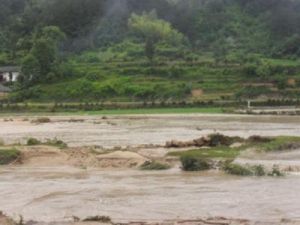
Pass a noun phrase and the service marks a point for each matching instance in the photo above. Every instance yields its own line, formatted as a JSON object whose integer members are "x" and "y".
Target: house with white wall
{"x": 9, "y": 74}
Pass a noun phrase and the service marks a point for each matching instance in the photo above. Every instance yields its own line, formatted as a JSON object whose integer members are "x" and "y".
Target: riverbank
{"x": 151, "y": 111}
{"x": 103, "y": 220}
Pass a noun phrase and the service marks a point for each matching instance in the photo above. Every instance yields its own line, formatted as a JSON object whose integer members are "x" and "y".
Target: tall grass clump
{"x": 236, "y": 169}
{"x": 153, "y": 165}
{"x": 8, "y": 156}
{"x": 247, "y": 170}
{"x": 190, "y": 163}
{"x": 51, "y": 142}
{"x": 33, "y": 141}
{"x": 102, "y": 219}
{"x": 41, "y": 120}
{"x": 56, "y": 142}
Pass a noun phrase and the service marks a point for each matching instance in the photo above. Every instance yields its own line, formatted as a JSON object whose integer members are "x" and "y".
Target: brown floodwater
{"x": 58, "y": 194}
{"x": 151, "y": 129}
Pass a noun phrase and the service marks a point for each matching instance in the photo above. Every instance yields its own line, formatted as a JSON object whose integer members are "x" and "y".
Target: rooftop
{"x": 4, "y": 89}
{"x": 9, "y": 69}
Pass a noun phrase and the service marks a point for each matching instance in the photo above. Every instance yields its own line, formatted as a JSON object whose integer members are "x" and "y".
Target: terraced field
{"x": 125, "y": 79}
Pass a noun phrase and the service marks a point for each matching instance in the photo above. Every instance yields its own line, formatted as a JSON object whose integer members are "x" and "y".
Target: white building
{"x": 9, "y": 74}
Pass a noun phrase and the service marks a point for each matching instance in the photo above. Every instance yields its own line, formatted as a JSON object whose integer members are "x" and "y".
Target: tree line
{"x": 38, "y": 34}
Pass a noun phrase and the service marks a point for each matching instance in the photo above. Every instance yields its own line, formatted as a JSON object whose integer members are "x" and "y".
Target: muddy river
{"x": 57, "y": 194}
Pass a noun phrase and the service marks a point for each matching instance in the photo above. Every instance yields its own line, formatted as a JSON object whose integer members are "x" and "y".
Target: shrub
{"x": 93, "y": 77}
{"x": 102, "y": 219}
{"x": 259, "y": 139}
{"x": 152, "y": 165}
{"x": 33, "y": 141}
{"x": 4, "y": 59}
{"x": 50, "y": 77}
{"x": 175, "y": 72}
{"x": 275, "y": 172}
{"x": 190, "y": 163}
{"x": 56, "y": 142}
{"x": 250, "y": 70}
{"x": 236, "y": 169}
{"x": 41, "y": 120}
{"x": 259, "y": 171}
{"x": 290, "y": 46}
{"x": 289, "y": 146}
{"x": 251, "y": 92}
{"x": 220, "y": 139}
{"x": 263, "y": 70}
{"x": 282, "y": 83}
{"x": 52, "y": 142}
{"x": 281, "y": 143}
{"x": 1, "y": 142}
{"x": 8, "y": 156}
{"x": 29, "y": 93}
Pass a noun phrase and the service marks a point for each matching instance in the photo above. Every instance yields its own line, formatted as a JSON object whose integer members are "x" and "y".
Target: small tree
{"x": 42, "y": 58}
{"x": 30, "y": 68}
{"x": 45, "y": 53}
{"x": 152, "y": 31}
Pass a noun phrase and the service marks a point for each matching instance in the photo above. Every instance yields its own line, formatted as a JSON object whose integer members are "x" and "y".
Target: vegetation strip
{"x": 8, "y": 156}
{"x": 222, "y": 156}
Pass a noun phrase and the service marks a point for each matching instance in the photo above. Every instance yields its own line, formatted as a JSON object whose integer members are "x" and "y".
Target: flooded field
{"x": 58, "y": 193}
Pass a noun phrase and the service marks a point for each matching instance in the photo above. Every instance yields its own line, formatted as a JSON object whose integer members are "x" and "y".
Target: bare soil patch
{"x": 50, "y": 156}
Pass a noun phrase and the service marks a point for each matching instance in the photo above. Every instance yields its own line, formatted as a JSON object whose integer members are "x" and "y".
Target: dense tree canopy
{"x": 87, "y": 22}
{"x": 222, "y": 27}
{"x": 102, "y": 48}
{"x": 40, "y": 63}
{"x": 153, "y": 30}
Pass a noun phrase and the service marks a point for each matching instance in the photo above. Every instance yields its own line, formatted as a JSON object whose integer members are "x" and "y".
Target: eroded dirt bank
{"x": 77, "y": 157}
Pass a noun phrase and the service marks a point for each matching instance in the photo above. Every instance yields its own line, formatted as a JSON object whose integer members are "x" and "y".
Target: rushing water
{"x": 57, "y": 194}
{"x": 152, "y": 129}
{"x": 49, "y": 194}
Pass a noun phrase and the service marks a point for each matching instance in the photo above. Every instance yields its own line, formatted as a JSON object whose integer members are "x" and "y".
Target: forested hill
{"x": 73, "y": 50}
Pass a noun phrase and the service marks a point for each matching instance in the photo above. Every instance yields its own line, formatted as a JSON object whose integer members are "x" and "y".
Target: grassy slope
{"x": 136, "y": 85}
{"x": 126, "y": 112}
{"x": 157, "y": 111}
{"x": 216, "y": 152}
{"x": 123, "y": 82}
{"x": 122, "y": 73}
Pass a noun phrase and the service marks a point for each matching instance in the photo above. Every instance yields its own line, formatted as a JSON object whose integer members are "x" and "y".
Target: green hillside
{"x": 162, "y": 50}
{"x": 199, "y": 79}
